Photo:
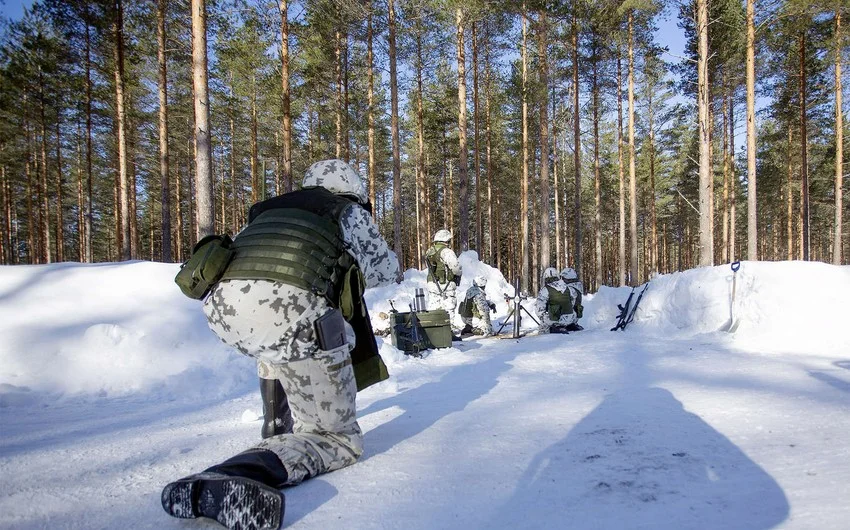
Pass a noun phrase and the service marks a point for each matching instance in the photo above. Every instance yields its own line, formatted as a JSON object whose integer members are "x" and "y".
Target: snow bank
{"x": 779, "y": 306}
{"x": 116, "y": 329}
{"x": 106, "y": 330}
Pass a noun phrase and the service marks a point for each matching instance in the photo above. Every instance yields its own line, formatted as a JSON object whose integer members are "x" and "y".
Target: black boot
{"x": 277, "y": 418}
{"x": 241, "y": 493}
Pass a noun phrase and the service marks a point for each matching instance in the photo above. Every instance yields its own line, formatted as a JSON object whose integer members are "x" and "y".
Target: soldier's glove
{"x": 456, "y": 280}
{"x": 492, "y": 306}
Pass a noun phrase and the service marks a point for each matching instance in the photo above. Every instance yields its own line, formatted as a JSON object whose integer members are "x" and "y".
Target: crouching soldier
{"x": 475, "y": 309}
{"x": 559, "y": 301}
{"x": 292, "y": 298}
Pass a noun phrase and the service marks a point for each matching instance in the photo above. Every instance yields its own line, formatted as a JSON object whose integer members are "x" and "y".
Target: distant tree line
{"x": 541, "y": 133}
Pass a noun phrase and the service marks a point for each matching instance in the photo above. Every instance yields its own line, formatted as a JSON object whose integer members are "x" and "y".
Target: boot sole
{"x": 235, "y": 502}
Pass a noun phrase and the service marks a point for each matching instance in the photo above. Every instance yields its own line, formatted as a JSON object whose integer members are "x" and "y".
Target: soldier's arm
{"x": 450, "y": 259}
{"x": 378, "y": 263}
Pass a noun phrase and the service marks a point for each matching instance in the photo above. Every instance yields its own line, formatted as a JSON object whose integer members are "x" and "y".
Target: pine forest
{"x": 541, "y": 133}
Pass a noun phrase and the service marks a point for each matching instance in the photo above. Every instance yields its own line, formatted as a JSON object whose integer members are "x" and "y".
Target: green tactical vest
{"x": 559, "y": 303}
{"x": 295, "y": 246}
{"x": 437, "y": 270}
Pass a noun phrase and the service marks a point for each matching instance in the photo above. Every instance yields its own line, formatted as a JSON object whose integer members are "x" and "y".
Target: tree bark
{"x": 804, "y": 141}
{"x": 46, "y": 255}
{"x": 60, "y": 184}
{"x": 545, "y": 208}
{"x": 203, "y": 158}
{"x": 422, "y": 235}
{"x": 257, "y": 187}
{"x": 733, "y": 181}
{"x": 839, "y": 146}
{"x": 597, "y": 221}
{"x": 724, "y": 253}
{"x": 370, "y": 99}
{"x": 621, "y": 261}
{"x": 524, "y": 196}
{"x": 338, "y": 70}
{"x": 121, "y": 122}
{"x": 557, "y": 190}
{"x": 479, "y": 235}
{"x": 397, "y": 218}
{"x": 164, "y": 178}
{"x": 634, "y": 264}
{"x": 286, "y": 119}
{"x": 463, "y": 162}
{"x": 752, "y": 211}
{"x": 89, "y": 192}
{"x": 706, "y": 226}
{"x": 577, "y": 254}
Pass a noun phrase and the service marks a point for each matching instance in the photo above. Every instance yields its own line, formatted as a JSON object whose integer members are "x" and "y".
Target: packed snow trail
{"x": 660, "y": 426}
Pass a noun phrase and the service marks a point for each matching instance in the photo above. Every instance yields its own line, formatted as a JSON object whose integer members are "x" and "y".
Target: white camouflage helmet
{"x": 480, "y": 281}
{"x": 443, "y": 236}
{"x": 569, "y": 273}
{"x": 337, "y": 177}
{"x": 550, "y": 273}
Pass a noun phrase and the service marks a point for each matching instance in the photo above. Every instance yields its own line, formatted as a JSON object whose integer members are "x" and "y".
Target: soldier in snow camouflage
{"x": 475, "y": 309}
{"x": 272, "y": 319}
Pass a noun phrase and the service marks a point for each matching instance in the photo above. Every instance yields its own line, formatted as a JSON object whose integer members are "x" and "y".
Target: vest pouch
{"x": 353, "y": 287}
{"x": 209, "y": 260}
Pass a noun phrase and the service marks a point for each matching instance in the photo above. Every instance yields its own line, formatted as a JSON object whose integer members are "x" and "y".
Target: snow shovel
{"x": 732, "y": 326}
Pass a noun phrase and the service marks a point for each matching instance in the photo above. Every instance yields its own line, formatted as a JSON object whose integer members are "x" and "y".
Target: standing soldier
{"x": 475, "y": 309}
{"x": 292, "y": 297}
{"x": 443, "y": 274}
{"x": 559, "y": 301}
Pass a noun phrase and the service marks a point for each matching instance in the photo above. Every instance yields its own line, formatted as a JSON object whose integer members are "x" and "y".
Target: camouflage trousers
{"x": 481, "y": 324}
{"x": 273, "y": 323}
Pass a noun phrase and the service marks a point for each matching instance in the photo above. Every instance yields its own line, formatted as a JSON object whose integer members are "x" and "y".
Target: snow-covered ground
{"x": 111, "y": 385}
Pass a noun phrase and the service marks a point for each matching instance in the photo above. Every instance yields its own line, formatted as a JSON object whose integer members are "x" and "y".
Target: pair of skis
{"x": 627, "y": 311}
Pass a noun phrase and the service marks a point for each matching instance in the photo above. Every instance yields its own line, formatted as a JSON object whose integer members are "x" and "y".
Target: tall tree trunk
{"x": 370, "y": 98}
{"x": 121, "y": 122}
{"x": 524, "y": 197}
{"x": 60, "y": 177}
{"x": 804, "y": 148}
{"x": 233, "y": 184}
{"x": 491, "y": 251}
{"x": 463, "y": 162}
{"x": 724, "y": 256}
{"x": 706, "y": 226}
{"x": 634, "y": 268}
{"x": 32, "y": 251}
{"x": 338, "y": 70}
{"x": 733, "y": 180}
{"x": 839, "y": 145}
{"x": 789, "y": 226}
{"x": 203, "y": 145}
{"x": 397, "y": 217}
{"x": 256, "y": 186}
{"x": 752, "y": 211}
{"x": 346, "y": 127}
{"x": 653, "y": 220}
{"x": 43, "y": 188}
{"x": 479, "y": 235}
{"x": 286, "y": 120}
{"x": 597, "y": 221}
{"x": 164, "y": 178}
{"x": 545, "y": 208}
{"x": 89, "y": 186}
{"x": 578, "y": 258}
{"x": 557, "y": 191}
{"x": 81, "y": 205}
{"x": 422, "y": 235}
{"x": 621, "y": 261}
